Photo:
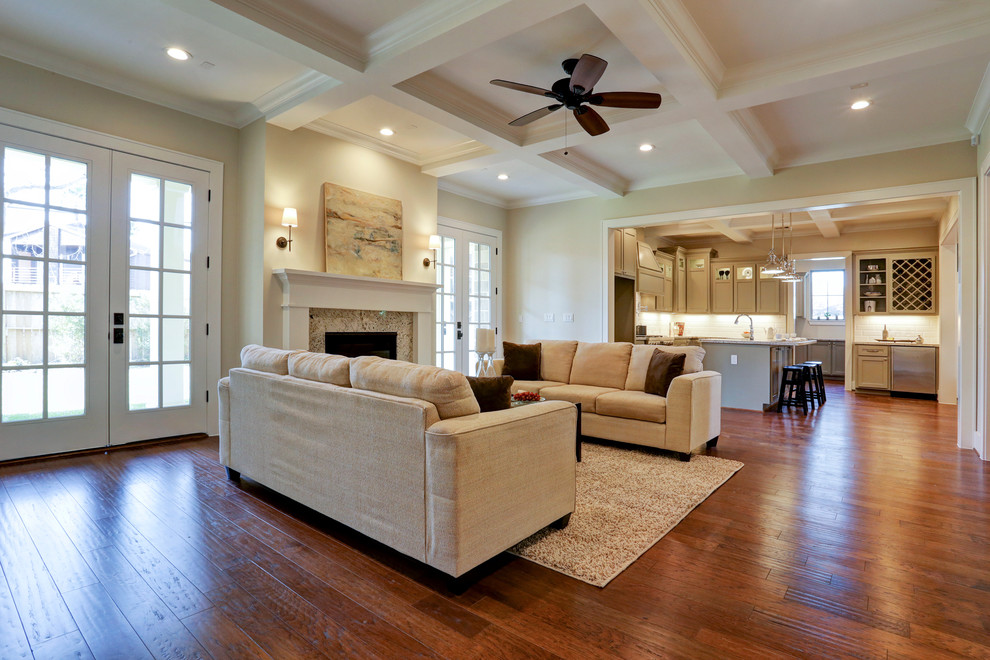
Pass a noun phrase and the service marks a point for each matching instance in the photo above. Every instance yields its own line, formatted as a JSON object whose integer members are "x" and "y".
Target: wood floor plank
{"x": 221, "y": 637}
{"x": 13, "y": 639}
{"x": 105, "y": 629}
{"x": 68, "y": 646}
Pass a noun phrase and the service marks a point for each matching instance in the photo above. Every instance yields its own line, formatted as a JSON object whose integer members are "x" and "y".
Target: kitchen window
{"x": 826, "y": 295}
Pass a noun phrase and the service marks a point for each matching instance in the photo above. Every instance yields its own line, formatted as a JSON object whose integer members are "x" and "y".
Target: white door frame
{"x": 974, "y": 246}
{"x": 215, "y": 233}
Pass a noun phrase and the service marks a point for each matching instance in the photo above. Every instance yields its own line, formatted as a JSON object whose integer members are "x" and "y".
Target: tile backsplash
{"x": 869, "y": 328}
{"x": 711, "y": 325}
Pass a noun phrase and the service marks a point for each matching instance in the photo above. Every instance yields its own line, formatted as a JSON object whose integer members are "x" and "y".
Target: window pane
{"x": 175, "y": 339}
{"x": 178, "y": 248}
{"x": 23, "y": 285}
{"x": 142, "y": 387}
{"x": 66, "y": 287}
{"x": 66, "y": 339}
{"x": 175, "y": 294}
{"x": 22, "y": 339}
{"x": 144, "y": 244}
{"x": 178, "y": 203}
{"x": 23, "y": 395}
{"x": 145, "y": 198}
{"x": 67, "y": 236}
{"x": 484, "y": 257}
{"x": 142, "y": 339}
{"x": 175, "y": 385}
{"x": 144, "y": 292}
{"x": 23, "y": 231}
{"x": 68, "y": 184}
{"x": 23, "y": 176}
{"x": 66, "y": 392}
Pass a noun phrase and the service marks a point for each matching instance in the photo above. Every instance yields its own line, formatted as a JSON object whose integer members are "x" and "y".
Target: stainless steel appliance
{"x": 914, "y": 369}
{"x": 640, "y": 330}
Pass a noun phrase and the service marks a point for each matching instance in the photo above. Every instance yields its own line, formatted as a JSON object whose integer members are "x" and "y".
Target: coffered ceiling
{"x": 749, "y": 86}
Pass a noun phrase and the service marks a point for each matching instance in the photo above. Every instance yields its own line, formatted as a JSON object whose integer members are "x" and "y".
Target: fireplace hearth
{"x": 356, "y": 344}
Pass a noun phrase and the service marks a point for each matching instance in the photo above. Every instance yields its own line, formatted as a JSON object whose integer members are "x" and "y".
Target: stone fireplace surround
{"x": 349, "y": 298}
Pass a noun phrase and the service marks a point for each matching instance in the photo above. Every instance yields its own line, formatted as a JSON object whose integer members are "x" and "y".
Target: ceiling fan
{"x": 577, "y": 90}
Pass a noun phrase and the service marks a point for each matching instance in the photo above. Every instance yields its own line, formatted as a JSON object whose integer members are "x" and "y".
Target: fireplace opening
{"x": 356, "y": 344}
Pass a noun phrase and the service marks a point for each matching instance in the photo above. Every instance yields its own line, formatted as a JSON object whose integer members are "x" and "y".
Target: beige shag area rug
{"x": 627, "y": 500}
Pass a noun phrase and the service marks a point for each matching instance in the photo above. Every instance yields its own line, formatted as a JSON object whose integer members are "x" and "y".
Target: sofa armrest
{"x": 223, "y": 392}
{"x": 495, "y": 478}
{"x": 694, "y": 410}
{"x": 497, "y": 364}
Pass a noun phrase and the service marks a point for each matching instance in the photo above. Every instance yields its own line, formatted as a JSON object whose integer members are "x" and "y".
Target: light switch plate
{"x": 568, "y": 317}
{"x": 733, "y": 359}
{"x": 548, "y": 317}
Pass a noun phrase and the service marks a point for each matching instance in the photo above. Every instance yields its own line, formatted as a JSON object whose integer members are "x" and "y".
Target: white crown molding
{"x": 470, "y": 193}
{"x": 285, "y": 97}
{"x": 980, "y": 109}
{"x": 901, "y": 143}
{"x": 682, "y": 177}
{"x": 549, "y": 199}
{"x": 423, "y": 23}
{"x": 360, "y": 139}
{"x": 467, "y": 150}
{"x": 689, "y": 40}
{"x": 607, "y": 182}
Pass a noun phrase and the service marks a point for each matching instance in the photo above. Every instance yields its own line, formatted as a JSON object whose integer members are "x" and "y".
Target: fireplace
{"x": 356, "y": 344}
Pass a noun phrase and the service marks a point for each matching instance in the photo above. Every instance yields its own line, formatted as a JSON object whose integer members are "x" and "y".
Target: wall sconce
{"x": 290, "y": 220}
{"x": 434, "y": 245}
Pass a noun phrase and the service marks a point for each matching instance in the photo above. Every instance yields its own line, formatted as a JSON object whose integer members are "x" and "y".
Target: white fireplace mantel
{"x": 303, "y": 290}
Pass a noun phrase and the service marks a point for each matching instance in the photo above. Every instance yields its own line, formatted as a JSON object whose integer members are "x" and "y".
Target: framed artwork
{"x": 363, "y": 233}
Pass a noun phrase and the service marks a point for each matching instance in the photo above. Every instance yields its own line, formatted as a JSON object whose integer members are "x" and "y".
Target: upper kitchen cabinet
{"x": 655, "y": 280}
{"x": 697, "y": 282}
{"x": 680, "y": 280}
{"x": 625, "y": 248}
{"x": 771, "y": 295}
{"x": 741, "y": 288}
{"x": 722, "y": 285}
{"x": 896, "y": 282}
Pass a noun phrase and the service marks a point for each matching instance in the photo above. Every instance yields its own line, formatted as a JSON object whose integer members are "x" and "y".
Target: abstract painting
{"x": 363, "y": 233}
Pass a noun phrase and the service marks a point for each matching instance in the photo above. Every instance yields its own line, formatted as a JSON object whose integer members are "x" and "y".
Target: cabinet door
{"x": 649, "y": 283}
{"x": 680, "y": 284}
{"x": 616, "y": 251}
{"x": 744, "y": 300}
{"x": 821, "y": 352}
{"x": 697, "y": 285}
{"x": 838, "y": 358}
{"x": 768, "y": 296}
{"x": 722, "y": 284}
{"x": 668, "y": 295}
{"x": 630, "y": 247}
{"x": 873, "y": 372}
{"x": 801, "y": 354}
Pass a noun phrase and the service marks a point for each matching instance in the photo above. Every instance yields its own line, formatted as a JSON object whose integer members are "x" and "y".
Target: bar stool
{"x": 793, "y": 387}
{"x": 817, "y": 380}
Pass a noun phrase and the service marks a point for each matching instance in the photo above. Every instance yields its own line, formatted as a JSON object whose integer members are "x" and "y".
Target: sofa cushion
{"x": 448, "y": 390}
{"x": 639, "y": 361}
{"x": 556, "y": 359}
{"x": 533, "y": 385}
{"x": 664, "y": 368}
{"x": 601, "y": 364}
{"x": 322, "y": 367}
{"x": 262, "y": 358}
{"x": 521, "y": 361}
{"x": 492, "y": 393}
{"x": 632, "y": 405}
{"x": 583, "y": 394}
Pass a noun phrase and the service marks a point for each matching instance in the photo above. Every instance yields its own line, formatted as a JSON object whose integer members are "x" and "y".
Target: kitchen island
{"x": 750, "y": 370}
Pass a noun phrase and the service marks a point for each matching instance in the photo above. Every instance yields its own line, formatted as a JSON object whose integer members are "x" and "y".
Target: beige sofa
{"x": 399, "y": 452}
{"x": 607, "y": 379}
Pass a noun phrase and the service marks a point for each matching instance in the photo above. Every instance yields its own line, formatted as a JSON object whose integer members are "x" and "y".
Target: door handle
{"x": 118, "y": 335}
{"x": 460, "y": 334}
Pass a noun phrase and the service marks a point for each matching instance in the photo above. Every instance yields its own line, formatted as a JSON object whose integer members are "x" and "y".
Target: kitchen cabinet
{"x": 650, "y": 275}
{"x": 831, "y": 353}
{"x": 771, "y": 295}
{"x": 723, "y": 283}
{"x": 680, "y": 280}
{"x": 896, "y": 282}
{"x": 665, "y": 301}
{"x": 744, "y": 288}
{"x": 739, "y": 287}
{"x": 697, "y": 282}
{"x": 872, "y": 367}
{"x": 625, "y": 249}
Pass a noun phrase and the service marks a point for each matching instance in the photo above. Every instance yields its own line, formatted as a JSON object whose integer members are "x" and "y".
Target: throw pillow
{"x": 664, "y": 368}
{"x": 492, "y": 393}
{"x": 521, "y": 361}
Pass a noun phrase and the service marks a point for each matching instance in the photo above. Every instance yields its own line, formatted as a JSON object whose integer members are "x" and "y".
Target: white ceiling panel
{"x": 526, "y": 183}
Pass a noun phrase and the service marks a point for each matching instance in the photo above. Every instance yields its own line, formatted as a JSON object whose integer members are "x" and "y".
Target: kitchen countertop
{"x": 881, "y": 342}
{"x": 758, "y": 342}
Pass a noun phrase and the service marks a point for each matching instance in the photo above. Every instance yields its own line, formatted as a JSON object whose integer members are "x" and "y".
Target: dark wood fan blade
{"x": 590, "y": 120}
{"x": 519, "y": 87}
{"x": 587, "y": 72}
{"x": 535, "y": 114}
{"x": 626, "y": 100}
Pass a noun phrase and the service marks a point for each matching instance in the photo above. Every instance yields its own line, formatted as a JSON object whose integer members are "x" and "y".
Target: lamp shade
{"x": 434, "y": 242}
{"x": 484, "y": 340}
{"x": 289, "y": 218}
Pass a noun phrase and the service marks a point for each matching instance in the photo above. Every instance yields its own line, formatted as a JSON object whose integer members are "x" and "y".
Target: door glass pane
{"x": 144, "y": 292}
{"x": 178, "y": 203}
{"x": 145, "y": 197}
{"x": 23, "y": 395}
{"x": 23, "y": 230}
{"x": 68, "y": 184}
{"x": 66, "y": 392}
{"x": 142, "y": 387}
{"x": 22, "y": 340}
{"x": 24, "y": 176}
{"x": 23, "y": 286}
{"x": 144, "y": 244}
{"x": 66, "y": 339}
{"x": 175, "y": 339}
{"x": 143, "y": 339}
{"x": 67, "y": 236}
{"x": 178, "y": 248}
{"x": 66, "y": 288}
{"x": 484, "y": 256}
{"x": 175, "y": 294}
{"x": 175, "y": 385}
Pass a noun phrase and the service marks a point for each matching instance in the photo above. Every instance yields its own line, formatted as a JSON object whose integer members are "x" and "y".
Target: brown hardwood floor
{"x": 857, "y": 531}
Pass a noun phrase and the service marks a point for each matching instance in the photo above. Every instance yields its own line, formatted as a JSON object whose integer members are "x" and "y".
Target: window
{"x": 827, "y": 292}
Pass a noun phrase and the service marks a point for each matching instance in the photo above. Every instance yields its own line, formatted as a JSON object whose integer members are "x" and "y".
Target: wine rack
{"x": 902, "y": 283}
{"x": 912, "y": 285}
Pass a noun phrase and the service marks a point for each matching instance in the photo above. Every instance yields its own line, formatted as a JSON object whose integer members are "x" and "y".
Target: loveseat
{"x": 399, "y": 452}
{"x": 608, "y": 378}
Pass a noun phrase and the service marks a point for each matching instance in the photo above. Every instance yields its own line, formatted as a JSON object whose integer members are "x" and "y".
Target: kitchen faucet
{"x": 736, "y": 322}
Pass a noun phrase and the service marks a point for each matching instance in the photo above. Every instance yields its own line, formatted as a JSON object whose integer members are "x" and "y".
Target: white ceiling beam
{"x": 823, "y": 220}
{"x": 980, "y": 109}
{"x": 743, "y": 139}
{"x": 736, "y": 235}
{"x": 587, "y": 174}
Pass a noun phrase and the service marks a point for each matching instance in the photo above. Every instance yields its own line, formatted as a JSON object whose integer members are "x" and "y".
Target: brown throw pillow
{"x": 492, "y": 393}
{"x": 522, "y": 361}
{"x": 664, "y": 367}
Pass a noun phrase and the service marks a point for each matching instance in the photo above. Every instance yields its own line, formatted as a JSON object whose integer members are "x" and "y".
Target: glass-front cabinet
{"x": 896, "y": 283}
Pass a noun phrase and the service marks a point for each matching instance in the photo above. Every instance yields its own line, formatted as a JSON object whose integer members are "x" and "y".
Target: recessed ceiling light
{"x": 646, "y": 147}
{"x": 177, "y": 54}
{"x": 387, "y": 131}
{"x": 503, "y": 177}
{"x": 859, "y": 105}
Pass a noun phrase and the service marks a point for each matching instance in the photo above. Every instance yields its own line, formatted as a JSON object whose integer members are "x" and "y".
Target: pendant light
{"x": 782, "y": 260}
{"x": 792, "y": 274}
{"x": 773, "y": 266}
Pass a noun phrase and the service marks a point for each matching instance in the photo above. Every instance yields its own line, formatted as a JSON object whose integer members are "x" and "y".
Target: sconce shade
{"x": 434, "y": 242}
{"x": 289, "y": 218}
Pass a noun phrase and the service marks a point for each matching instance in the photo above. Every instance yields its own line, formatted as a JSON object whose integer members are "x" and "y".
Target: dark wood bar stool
{"x": 817, "y": 380}
{"x": 794, "y": 387}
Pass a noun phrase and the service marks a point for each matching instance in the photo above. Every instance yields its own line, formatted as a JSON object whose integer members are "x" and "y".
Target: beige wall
{"x": 44, "y": 94}
{"x": 247, "y": 242}
{"x": 455, "y": 207}
{"x": 297, "y": 164}
{"x": 554, "y": 252}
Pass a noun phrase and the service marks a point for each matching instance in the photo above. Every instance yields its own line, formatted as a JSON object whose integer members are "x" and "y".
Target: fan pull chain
{"x": 565, "y": 133}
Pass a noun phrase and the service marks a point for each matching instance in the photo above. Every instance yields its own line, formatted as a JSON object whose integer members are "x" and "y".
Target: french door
{"x": 468, "y": 272}
{"x": 91, "y": 237}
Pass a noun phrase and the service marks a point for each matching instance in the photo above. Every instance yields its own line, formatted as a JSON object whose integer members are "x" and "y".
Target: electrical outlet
{"x": 568, "y": 317}
{"x": 733, "y": 359}
{"x": 548, "y": 317}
